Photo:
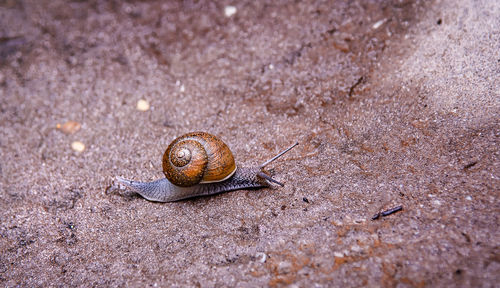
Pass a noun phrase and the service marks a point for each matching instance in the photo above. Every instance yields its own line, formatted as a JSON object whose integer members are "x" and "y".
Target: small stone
{"x": 142, "y": 105}
{"x": 261, "y": 257}
{"x": 284, "y": 267}
{"x": 355, "y": 248}
{"x": 69, "y": 127}
{"x": 78, "y": 146}
{"x": 341, "y": 45}
{"x": 338, "y": 254}
{"x": 378, "y": 24}
{"x": 230, "y": 11}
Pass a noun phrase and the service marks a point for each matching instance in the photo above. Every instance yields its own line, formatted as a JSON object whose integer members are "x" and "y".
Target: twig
{"x": 387, "y": 212}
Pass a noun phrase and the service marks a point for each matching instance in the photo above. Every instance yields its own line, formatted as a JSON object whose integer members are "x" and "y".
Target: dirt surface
{"x": 393, "y": 103}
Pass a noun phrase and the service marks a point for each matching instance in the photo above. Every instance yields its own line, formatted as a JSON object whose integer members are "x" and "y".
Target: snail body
{"x": 200, "y": 164}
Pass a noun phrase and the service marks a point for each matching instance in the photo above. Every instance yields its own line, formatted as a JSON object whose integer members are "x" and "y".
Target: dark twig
{"x": 470, "y": 165}
{"x": 376, "y": 216}
{"x": 393, "y": 210}
{"x": 351, "y": 90}
{"x": 387, "y": 212}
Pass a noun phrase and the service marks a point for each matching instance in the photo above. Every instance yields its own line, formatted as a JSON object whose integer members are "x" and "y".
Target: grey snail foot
{"x": 163, "y": 191}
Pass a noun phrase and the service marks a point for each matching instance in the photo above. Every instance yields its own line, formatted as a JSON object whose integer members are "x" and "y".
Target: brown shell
{"x": 197, "y": 157}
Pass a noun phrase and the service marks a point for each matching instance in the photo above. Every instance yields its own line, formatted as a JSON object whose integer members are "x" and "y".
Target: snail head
{"x": 263, "y": 175}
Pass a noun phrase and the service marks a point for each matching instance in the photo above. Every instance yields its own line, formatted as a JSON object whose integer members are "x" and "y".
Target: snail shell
{"x": 197, "y": 157}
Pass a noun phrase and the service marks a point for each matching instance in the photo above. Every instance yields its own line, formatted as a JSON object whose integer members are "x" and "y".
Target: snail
{"x": 200, "y": 164}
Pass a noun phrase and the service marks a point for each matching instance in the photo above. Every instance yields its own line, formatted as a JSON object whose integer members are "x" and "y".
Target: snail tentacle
{"x": 278, "y": 156}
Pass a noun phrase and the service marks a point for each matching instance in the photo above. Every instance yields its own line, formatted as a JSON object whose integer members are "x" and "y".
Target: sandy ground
{"x": 393, "y": 103}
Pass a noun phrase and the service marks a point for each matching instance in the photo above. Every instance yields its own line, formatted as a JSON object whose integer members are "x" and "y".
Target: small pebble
{"x": 284, "y": 267}
{"x": 356, "y": 248}
{"x": 342, "y": 46}
{"x": 261, "y": 257}
{"x": 378, "y": 23}
{"x": 78, "y": 146}
{"x": 338, "y": 254}
{"x": 142, "y": 105}
{"x": 230, "y": 11}
{"x": 69, "y": 127}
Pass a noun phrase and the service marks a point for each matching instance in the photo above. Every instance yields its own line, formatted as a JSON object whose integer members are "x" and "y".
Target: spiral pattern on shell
{"x": 197, "y": 157}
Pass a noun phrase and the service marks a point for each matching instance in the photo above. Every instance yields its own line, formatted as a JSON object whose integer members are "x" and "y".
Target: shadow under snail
{"x": 200, "y": 164}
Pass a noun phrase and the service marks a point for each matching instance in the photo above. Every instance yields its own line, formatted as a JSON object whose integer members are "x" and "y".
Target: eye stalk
{"x": 263, "y": 165}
